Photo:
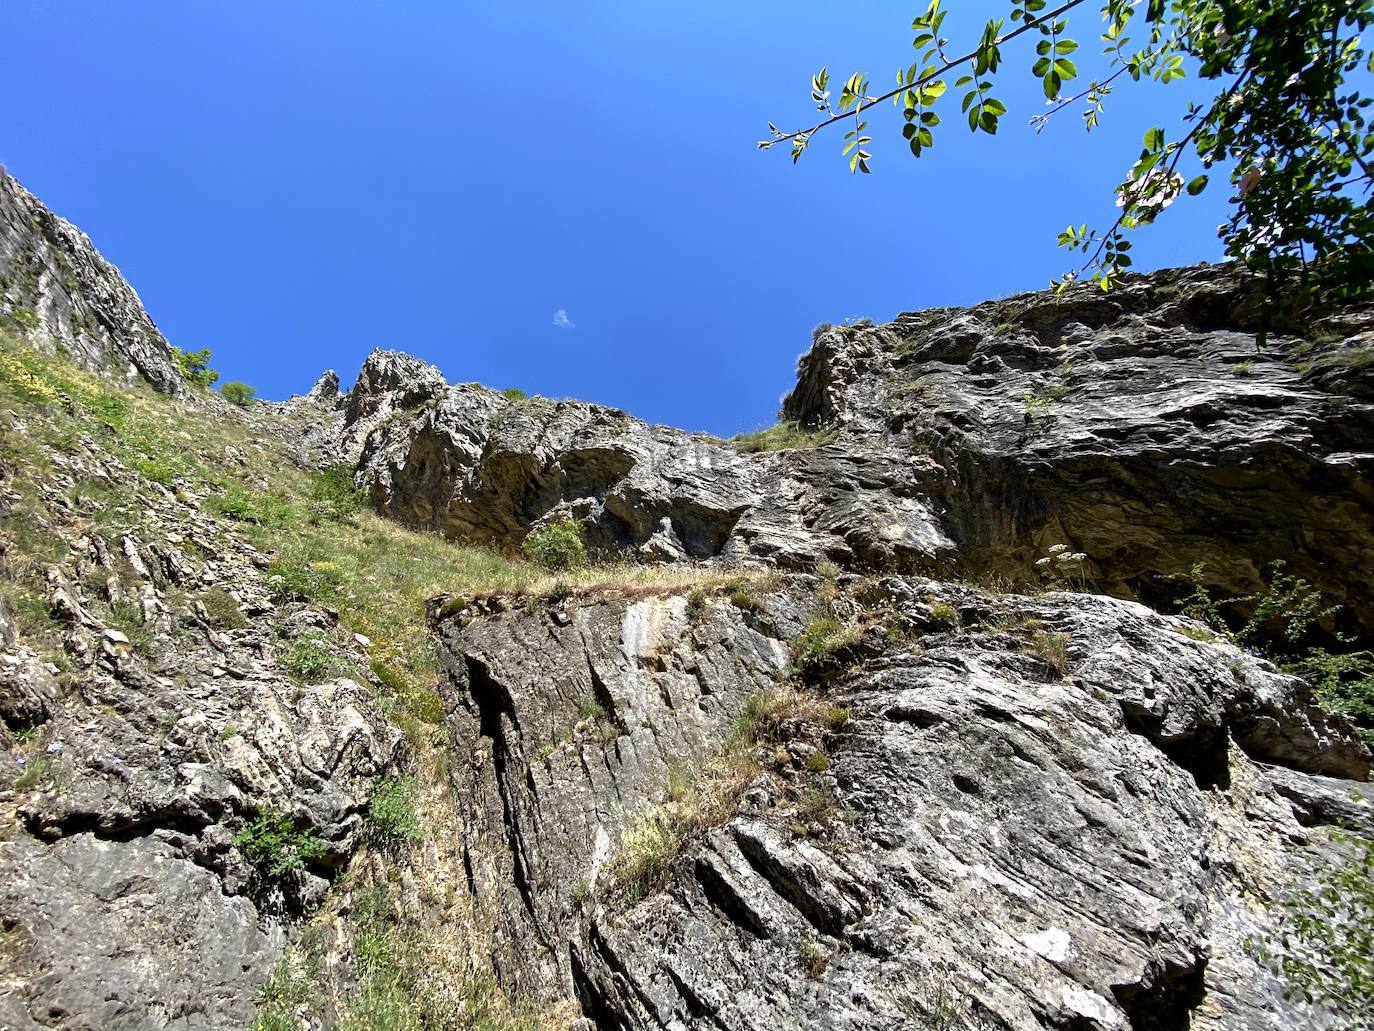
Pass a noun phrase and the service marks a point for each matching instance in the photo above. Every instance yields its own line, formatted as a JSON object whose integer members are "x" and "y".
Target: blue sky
{"x": 292, "y": 185}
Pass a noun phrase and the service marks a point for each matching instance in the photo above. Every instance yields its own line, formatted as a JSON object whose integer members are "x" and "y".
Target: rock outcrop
{"x": 1146, "y": 429}
{"x": 150, "y": 725}
{"x": 988, "y": 842}
{"x": 58, "y": 291}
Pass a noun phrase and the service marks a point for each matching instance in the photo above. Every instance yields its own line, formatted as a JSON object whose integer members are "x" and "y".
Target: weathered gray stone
{"x": 55, "y": 286}
{"x": 977, "y": 823}
{"x": 1019, "y": 849}
{"x": 1147, "y": 428}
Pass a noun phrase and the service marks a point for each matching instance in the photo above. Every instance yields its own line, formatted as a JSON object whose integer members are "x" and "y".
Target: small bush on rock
{"x": 823, "y": 636}
{"x": 557, "y": 545}
{"x": 310, "y": 660}
{"x": 334, "y": 490}
{"x": 222, "y": 610}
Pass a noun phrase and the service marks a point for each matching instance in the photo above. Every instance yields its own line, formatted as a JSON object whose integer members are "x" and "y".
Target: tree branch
{"x": 1025, "y": 27}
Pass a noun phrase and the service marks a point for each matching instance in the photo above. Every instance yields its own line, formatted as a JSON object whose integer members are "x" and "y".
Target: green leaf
{"x": 1065, "y": 46}
{"x": 1154, "y": 138}
{"x": 996, "y": 107}
{"x": 1197, "y": 185}
{"x": 1065, "y": 68}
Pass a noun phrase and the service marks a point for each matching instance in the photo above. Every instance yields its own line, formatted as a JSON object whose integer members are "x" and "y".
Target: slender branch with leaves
{"x": 1288, "y": 123}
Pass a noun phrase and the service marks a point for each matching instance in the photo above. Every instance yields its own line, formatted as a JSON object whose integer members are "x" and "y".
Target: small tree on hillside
{"x": 238, "y": 393}
{"x": 195, "y": 367}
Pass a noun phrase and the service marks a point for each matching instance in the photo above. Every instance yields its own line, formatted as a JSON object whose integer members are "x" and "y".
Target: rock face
{"x": 1146, "y": 429}
{"x": 471, "y": 464}
{"x": 56, "y": 289}
{"x": 987, "y": 844}
{"x": 128, "y": 771}
{"x": 778, "y": 795}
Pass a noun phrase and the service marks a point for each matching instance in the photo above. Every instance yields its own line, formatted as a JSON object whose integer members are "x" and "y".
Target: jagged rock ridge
{"x": 57, "y": 289}
{"x": 1146, "y": 429}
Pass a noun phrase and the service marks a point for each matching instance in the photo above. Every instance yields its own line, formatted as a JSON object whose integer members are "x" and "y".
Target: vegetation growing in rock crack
{"x": 274, "y": 843}
{"x": 1052, "y": 648}
{"x": 391, "y": 813}
{"x": 823, "y": 636}
{"x": 781, "y": 437}
{"x": 708, "y": 796}
{"x": 311, "y": 659}
{"x": 1283, "y": 621}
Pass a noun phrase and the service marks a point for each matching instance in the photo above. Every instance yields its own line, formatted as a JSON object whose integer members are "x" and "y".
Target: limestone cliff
{"x": 57, "y": 290}
{"x": 874, "y": 732}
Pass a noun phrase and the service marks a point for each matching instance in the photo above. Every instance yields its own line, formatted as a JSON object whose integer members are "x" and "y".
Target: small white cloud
{"x": 561, "y": 320}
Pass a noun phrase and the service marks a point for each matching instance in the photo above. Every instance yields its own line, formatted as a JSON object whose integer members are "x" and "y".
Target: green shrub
{"x": 158, "y": 470}
{"x": 817, "y": 762}
{"x": 696, "y": 604}
{"x": 222, "y": 610}
{"x": 514, "y": 394}
{"x": 237, "y": 393}
{"x": 944, "y": 615}
{"x": 333, "y": 488}
{"x": 557, "y": 545}
{"x": 741, "y": 598}
{"x": 823, "y": 636}
{"x": 1344, "y": 683}
{"x": 391, "y": 812}
{"x": 236, "y": 502}
{"x": 590, "y": 709}
{"x": 271, "y": 842}
{"x": 311, "y": 660}
{"x": 814, "y": 960}
{"x": 195, "y": 367}
{"x": 318, "y": 581}
{"x": 1283, "y": 619}
{"x": 1325, "y": 949}
{"x": 278, "y": 999}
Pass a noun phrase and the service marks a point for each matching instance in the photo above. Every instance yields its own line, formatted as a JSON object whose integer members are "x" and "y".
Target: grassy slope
{"x": 221, "y": 476}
